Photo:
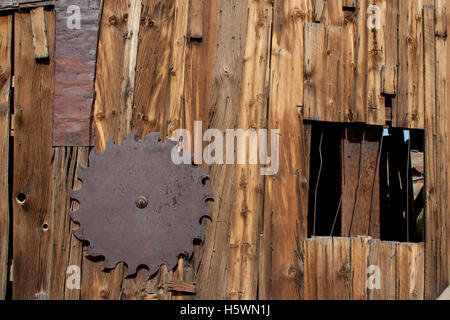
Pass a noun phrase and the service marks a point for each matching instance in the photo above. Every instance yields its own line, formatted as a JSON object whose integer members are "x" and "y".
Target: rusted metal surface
{"x": 17, "y": 4}
{"x": 76, "y": 51}
{"x": 138, "y": 207}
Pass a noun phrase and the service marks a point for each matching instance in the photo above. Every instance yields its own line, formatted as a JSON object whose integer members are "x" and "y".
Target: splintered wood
{"x": 363, "y": 269}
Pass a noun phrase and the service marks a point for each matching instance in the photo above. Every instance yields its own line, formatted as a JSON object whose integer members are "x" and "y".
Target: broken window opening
{"x": 366, "y": 181}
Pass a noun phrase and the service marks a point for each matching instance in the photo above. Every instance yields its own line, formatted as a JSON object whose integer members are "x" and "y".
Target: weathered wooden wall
{"x": 245, "y": 68}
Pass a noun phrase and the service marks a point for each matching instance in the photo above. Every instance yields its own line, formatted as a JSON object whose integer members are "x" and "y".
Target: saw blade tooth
{"x": 204, "y": 212}
{"x": 199, "y": 175}
{"x": 74, "y": 194}
{"x": 131, "y": 269}
{"x": 169, "y": 145}
{"x": 74, "y": 216}
{"x": 91, "y": 251}
{"x": 81, "y": 172}
{"x": 109, "y": 263}
{"x": 79, "y": 234}
{"x": 110, "y": 144}
{"x": 199, "y": 232}
{"x": 131, "y": 138}
{"x": 153, "y": 138}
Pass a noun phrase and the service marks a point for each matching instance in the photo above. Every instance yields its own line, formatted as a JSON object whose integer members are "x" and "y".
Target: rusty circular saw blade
{"x": 119, "y": 229}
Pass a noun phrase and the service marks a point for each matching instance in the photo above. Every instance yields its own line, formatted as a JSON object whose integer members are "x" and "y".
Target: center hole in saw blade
{"x": 141, "y": 202}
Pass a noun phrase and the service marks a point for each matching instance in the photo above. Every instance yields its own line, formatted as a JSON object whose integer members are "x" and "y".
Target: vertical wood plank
{"x": 388, "y": 264}
{"x": 410, "y": 110}
{"x": 33, "y": 102}
{"x": 129, "y": 69}
{"x": 448, "y": 145}
{"x": 431, "y": 170}
{"x": 442, "y": 116}
{"x": 249, "y": 195}
{"x": 196, "y": 18}
{"x": 360, "y": 183}
{"x": 324, "y": 268}
{"x": 153, "y": 71}
{"x": 223, "y": 114}
{"x": 360, "y": 252}
{"x": 410, "y": 276}
{"x": 66, "y": 250}
{"x": 198, "y": 78}
{"x": 5, "y": 108}
{"x": 310, "y": 279}
{"x": 361, "y": 58}
{"x": 39, "y": 28}
{"x": 175, "y": 111}
{"x": 75, "y": 256}
{"x": 108, "y": 104}
{"x": 376, "y": 58}
{"x": 341, "y": 268}
{"x": 350, "y": 111}
{"x": 323, "y": 67}
{"x": 286, "y": 193}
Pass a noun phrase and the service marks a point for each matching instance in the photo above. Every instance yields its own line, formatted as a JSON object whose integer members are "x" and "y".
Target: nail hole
{"x": 21, "y": 198}
{"x": 45, "y": 227}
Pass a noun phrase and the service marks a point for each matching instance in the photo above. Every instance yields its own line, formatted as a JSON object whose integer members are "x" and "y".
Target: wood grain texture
{"x": 360, "y": 183}
{"x": 410, "y": 110}
{"x": 432, "y": 230}
{"x": 153, "y": 71}
{"x": 5, "y": 110}
{"x": 435, "y": 137}
{"x": 442, "y": 116}
{"x": 286, "y": 193}
{"x": 448, "y": 143}
{"x": 196, "y": 18}
{"x": 174, "y": 114}
{"x": 341, "y": 269}
{"x": 323, "y": 66}
{"x": 223, "y": 112}
{"x": 66, "y": 251}
{"x": 33, "y": 101}
{"x": 109, "y": 101}
{"x": 410, "y": 276}
{"x": 249, "y": 195}
{"x": 129, "y": 69}
{"x": 39, "y": 28}
{"x": 375, "y": 103}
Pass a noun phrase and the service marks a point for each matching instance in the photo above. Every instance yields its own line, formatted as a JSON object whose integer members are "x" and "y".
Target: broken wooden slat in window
{"x": 323, "y": 67}
{"x": 77, "y": 24}
{"x": 38, "y": 25}
{"x": 360, "y": 183}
